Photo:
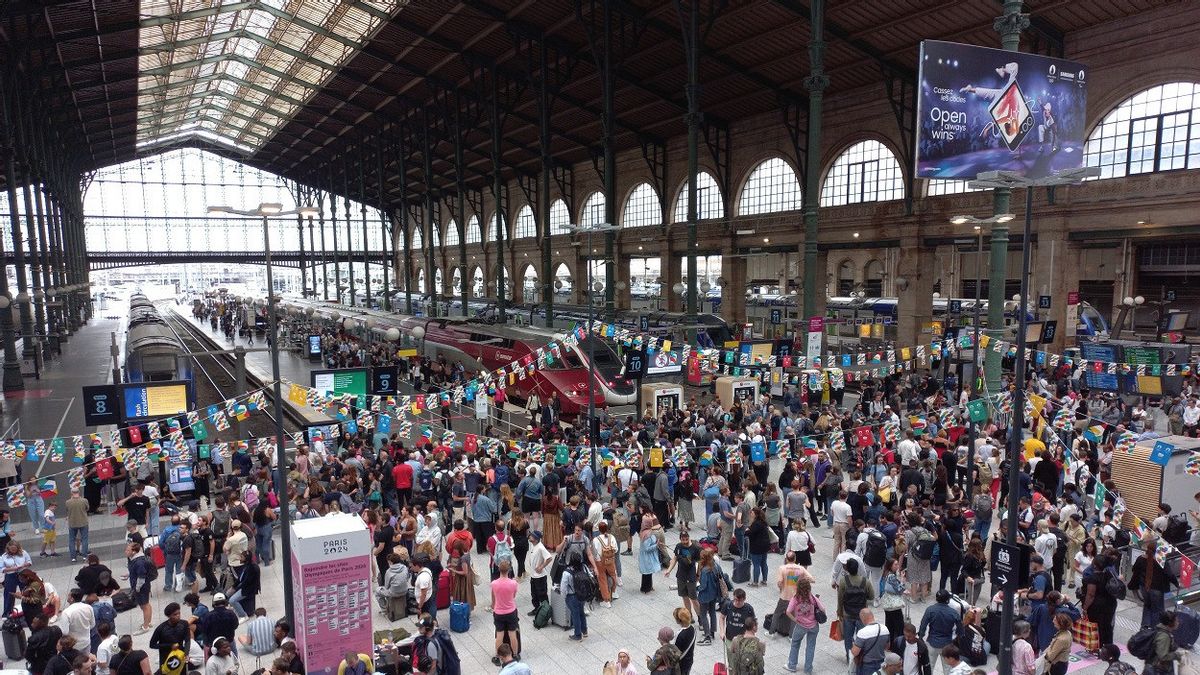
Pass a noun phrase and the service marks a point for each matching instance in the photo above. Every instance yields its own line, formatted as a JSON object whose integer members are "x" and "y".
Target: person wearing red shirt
{"x": 402, "y": 474}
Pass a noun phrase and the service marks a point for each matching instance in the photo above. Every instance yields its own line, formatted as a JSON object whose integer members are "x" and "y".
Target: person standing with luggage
{"x": 142, "y": 573}
{"x": 538, "y": 562}
{"x": 574, "y": 604}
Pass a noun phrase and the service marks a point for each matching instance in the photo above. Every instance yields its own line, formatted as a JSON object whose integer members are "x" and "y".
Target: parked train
{"x": 480, "y": 344}
{"x": 153, "y": 353}
{"x": 711, "y": 330}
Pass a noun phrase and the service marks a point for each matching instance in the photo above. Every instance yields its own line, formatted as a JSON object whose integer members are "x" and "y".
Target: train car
{"x": 153, "y": 353}
{"x": 711, "y": 330}
{"x": 481, "y": 345}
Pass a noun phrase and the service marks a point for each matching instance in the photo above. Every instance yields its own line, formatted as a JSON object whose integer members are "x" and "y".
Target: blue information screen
{"x": 1107, "y": 354}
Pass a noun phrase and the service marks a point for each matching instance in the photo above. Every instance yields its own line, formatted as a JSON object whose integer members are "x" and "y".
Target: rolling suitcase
{"x": 443, "y": 592}
{"x": 156, "y": 554}
{"x": 14, "y": 639}
{"x": 460, "y": 617}
{"x": 559, "y": 614}
{"x": 741, "y": 571}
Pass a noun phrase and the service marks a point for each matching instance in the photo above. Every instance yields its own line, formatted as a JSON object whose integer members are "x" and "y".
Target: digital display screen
{"x": 155, "y": 399}
{"x": 1099, "y": 352}
{"x": 664, "y": 362}
{"x": 343, "y": 381}
{"x": 314, "y": 345}
{"x": 329, "y": 433}
{"x": 179, "y": 473}
{"x": 1177, "y": 320}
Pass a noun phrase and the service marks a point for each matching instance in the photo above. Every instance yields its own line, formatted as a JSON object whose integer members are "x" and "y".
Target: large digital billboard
{"x": 155, "y": 399}
{"x": 981, "y": 109}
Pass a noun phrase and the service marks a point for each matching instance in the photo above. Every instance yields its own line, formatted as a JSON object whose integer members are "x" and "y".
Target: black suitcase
{"x": 123, "y": 601}
{"x": 991, "y": 630}
{"x": 741, "y": 571}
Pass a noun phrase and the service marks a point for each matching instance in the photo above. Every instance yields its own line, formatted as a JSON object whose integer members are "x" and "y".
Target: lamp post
{"x": 1006, "y": 180}
{"x": 267, "y": 211}
{"x": 978, "y": 224}
{"x": 593, "y": 426}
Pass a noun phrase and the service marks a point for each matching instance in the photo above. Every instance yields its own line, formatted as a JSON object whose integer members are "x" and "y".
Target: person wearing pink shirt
{"x": 504, "y": 610}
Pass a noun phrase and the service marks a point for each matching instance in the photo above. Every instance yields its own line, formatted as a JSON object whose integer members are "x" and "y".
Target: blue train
{"x": 153, "y": 352}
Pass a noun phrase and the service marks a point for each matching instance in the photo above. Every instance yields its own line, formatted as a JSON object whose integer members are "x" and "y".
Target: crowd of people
{"x": 907, "y": 521}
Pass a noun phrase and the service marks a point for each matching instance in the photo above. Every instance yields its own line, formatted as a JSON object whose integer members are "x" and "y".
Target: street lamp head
{"x": 393, "y": 334}
{"x": 22, "y": 298}
{"x": 1004, "y": 218}
{"x": 961, "y": 220}
{"x": 679, "y": 287}
{"x": 270, "y": 208}
{"x": 1128, "y": 301}
{"x": 1139, "y": 300}
{"x": 308, "y": 211}
{"x": 418, "y": 332}
{"x": 219, "y": 209}
{"x": 597, "y": 286}
{"x": 5, "y": 302}
{"x": 705, "y": 286}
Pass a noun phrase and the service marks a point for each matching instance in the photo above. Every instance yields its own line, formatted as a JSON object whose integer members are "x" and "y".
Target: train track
{"x": 218, "y": 370}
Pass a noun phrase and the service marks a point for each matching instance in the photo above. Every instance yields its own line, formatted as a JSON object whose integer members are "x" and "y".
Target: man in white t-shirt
{"x": 423, "y": 588}
{"x": 841, "y": 513}
{"x": 106, "y": 649}
{"x": 909, "y": 449}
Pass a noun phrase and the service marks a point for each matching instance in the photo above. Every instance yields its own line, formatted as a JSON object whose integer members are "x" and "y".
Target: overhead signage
{"x": 314, "y": 347}
{"x": 1043, "y": 302}
{"x": 956, "y": 306}
{"x": 635, "y": 364}
{"x": 776, "y": 317}
{"x": 1106, "y": 353}
{"x": 1010, "y": 565}
{"x": 1049, "y": 330}
{"x": 340, "y": 381}
{"x": 143, "y": 400}
{"x": 982, "y": 109}
{"x": 385, "y": 380}
{"x": 101, "y": 405}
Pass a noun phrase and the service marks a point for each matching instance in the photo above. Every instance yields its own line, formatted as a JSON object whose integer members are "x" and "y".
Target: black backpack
{"x": 1115, "y": 586}
{"x": 854, "y": 597}
{"x": 875, "y": 551}
{"x": 922, "y": 547}
{"x": 1177, "y": 530}
{"x": 173, "y": 544}
{"x": 585, "y": 586}
{"x": 1141, "y": 645}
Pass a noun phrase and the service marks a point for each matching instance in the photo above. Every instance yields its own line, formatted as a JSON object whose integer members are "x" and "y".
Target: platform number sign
{"x": 644, "y": 323}
{"x": 384, "y": 380}
{"x": 776, "y": 317}
{"x": 100, "y": 405}
{"x": 1043, "y": 302}
{"x": 956, "y": 306}
{"x": 1170, "y": 296}
{"x": 1049, "y": 330}
{"x": 635, "y": 364}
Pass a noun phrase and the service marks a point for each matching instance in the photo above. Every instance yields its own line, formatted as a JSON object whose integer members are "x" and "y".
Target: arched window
{"x": 772, "y": 186}
{"x": 529, "y": 286}
{"x": 642, "y": 209}
{"x": 562, "y": 280}
{"x": 865, "y": 172}
{"x": 1155, "y": 130}
{"x": 873, "y": 279}
{"x": 709, "y": 204}
{"x": 477, "y": 282}
{"x": 456, "y": 281}
{"x": 526, "y": 225}
{"x": 437, "y": 235}
{"x": 560, "y": 217}
{"x": 473, "y": 231}
{"x": 452, "y": 236}
{"x": 593, "y": 210}
{"x": 416, "y": 238}
{"x": 493, "y": 229}
{"x": 420, "y": 280}
{"x": 845, "y": 278}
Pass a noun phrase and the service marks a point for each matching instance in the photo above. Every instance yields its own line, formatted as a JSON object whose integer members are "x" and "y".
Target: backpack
{"x": 1121, "y": 538}
{"x": 875, "y": 551}
{"x": 220, "y": 524}
{"x": 1141, "y": 645}
{"x": 1115, "y": 587}
{"x": 542, "y": 618}
{"x": 249, "y": 497}
{"x": 500, "y": 476}
{"x": 450, "y": 664}
{"x": 854, "y": 598}
{"x": 503, "y": 551}
{"x": 747, "y": 653}
{"x": 425, "y": 480}
{"x": 984, "y": 473}
{"x": 175, "y": 663}
{"x": 922, "y": 547}
{"x": 983, "y": 508}
{"x": 585, "y": 586}
{"x": 445, "y": 483}
{"x": 173, "y": 544}
{"x": 149, "y": 570}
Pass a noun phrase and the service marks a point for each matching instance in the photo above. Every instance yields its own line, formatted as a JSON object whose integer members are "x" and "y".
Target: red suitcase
{"x": 443, "y": 592}
{"x": 156, "y": 554}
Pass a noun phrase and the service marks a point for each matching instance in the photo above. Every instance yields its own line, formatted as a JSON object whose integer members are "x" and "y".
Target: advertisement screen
{"x": 329, "y": 433}
{"x": 982, "y": 109}
{"x": 342, "y": 381}
{"x": 155, "y": 399}
{"x": 314, "y": 345}
{"x": 664, "y": 362}
{"x": 179, "y": 472}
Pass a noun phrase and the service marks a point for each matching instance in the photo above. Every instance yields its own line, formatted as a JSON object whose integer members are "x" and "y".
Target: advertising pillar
{"x": 331, "y": 569}
{"x": 816, "y": 330}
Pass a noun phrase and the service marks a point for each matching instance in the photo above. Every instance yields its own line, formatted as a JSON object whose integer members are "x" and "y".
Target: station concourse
{"x": 608, "y": 240}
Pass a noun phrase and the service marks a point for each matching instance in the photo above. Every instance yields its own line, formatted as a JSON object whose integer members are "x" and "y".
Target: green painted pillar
{"x": 1009, "y": 26}
{"x": 816, "y": 83}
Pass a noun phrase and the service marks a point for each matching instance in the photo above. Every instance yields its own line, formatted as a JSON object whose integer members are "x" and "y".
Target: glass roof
{"x": 233, "y": 72}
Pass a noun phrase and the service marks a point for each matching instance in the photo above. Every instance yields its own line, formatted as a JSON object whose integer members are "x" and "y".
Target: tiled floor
{"x": 631, "y": 623}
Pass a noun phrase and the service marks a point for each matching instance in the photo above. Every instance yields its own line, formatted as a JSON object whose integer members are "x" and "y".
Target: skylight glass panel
{"x": 270, "y": 58}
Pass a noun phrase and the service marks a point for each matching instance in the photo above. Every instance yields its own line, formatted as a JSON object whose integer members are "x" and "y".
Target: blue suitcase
{"x": 460, "y": 617}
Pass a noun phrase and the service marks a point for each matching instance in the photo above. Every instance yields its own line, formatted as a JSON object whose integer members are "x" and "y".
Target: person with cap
{"x": 219, "y": 622}
{"x": 222, "y": 661}
{"x": 236, "y": 543}
{"x": 667, "y": 657}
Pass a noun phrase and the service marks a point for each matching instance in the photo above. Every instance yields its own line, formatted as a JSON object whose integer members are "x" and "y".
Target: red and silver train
{"x": 480, "y": 345}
